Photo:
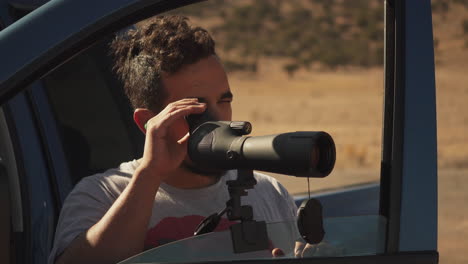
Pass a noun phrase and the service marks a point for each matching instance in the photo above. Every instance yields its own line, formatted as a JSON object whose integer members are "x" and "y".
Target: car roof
{"x": 27, "y": 4}
{"x": 39, "y": 42}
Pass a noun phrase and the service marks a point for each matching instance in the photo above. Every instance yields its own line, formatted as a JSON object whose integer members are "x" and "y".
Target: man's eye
{"x": 225, "y": 101}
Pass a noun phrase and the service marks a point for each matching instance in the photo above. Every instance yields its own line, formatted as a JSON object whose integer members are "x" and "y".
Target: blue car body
{"x": 38, "y": 176}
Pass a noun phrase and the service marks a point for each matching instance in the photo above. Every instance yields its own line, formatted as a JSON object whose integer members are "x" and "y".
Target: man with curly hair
{"x": 170, "y": 70}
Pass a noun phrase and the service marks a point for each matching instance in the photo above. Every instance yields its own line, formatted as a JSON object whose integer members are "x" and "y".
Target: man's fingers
{"x": 182, "y": 103}
{"x": 277, "y": 252}
{"x": 298, "y": 249}
{"x": 309, "y": 250}
{"x": 317, "y": 250}
{"x": 175, "y": 112}
{"x": 184, "y": 139}
{"x": 187, "y": 110}
{"x": 188, "y": 106}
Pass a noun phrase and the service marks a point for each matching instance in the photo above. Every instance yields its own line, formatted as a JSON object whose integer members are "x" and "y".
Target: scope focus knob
{"x": 241, "y": 127}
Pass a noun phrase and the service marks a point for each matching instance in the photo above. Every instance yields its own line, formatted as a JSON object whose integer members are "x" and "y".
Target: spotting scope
{"x": 223, "y": 145}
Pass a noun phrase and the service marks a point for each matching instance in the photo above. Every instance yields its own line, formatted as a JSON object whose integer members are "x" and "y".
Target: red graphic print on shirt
{"x": 175, "y": 228}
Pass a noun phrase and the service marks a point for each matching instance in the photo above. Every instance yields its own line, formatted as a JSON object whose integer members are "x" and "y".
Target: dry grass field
{"x": 452, "y": 94}
{"x": 345, "y": 104}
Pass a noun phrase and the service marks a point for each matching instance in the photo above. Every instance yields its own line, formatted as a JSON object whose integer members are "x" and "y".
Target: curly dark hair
{"x": 162, "y": 44}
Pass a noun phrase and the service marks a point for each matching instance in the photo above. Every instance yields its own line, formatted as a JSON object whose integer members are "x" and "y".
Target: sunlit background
{"x": 318, "y": 65}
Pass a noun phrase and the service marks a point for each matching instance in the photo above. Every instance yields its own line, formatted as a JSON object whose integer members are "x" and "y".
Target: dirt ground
{"x": 348, "y": 105}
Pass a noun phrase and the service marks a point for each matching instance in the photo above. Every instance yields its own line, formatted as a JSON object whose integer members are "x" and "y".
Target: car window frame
{"x": 409, "y": 178}
{"x": 38, "y": 205}
{"x": 119, "y": 14}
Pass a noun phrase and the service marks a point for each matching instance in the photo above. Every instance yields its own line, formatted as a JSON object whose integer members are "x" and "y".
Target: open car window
{"x": 295, "y": 66}
{"x": 310, "y": 67}
{"x": 306, "y": 66}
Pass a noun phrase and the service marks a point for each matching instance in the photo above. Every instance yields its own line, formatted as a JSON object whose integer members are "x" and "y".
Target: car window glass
{"x": 326, "y": 78}
{"x": 311, "y": 66}
{"x": 292, "y": 66}
{"x": 306, "y": 66}
{"x": 345, "y": 236}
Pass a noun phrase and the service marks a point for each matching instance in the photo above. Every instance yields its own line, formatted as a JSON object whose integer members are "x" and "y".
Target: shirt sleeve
{"x": 83, "y": 207}
{"x": 289, "y": 200}
{"x": 273, "y": 202}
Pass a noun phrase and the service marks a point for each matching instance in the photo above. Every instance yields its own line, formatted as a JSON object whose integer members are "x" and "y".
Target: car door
{"x": 408, "y": 186}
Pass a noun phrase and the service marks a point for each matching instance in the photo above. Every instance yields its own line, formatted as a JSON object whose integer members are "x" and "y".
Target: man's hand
{"x": 167, "y": 136}
{"x": 277, "y": 252}
{"x": 128, "y": 217}
{"x": 322, "y": 249}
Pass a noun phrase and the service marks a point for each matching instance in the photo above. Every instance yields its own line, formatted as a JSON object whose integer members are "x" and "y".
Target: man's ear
{"x": 141, "y": 116}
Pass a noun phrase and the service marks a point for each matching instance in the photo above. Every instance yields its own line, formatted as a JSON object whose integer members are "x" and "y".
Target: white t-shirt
{"x": 176, "y": 212}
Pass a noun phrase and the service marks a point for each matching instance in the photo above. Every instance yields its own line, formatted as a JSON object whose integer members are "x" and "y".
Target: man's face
{"x": 205, "y": 80}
